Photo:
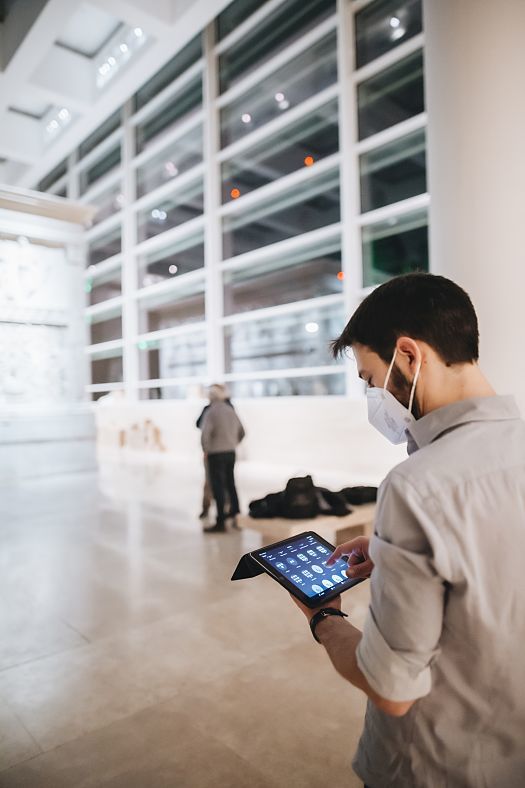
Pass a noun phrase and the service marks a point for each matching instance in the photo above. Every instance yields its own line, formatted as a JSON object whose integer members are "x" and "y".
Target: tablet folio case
{"x": 247, "y": 567}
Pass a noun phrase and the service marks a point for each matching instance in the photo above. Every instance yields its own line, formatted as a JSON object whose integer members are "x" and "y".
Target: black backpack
{"x": 300, "y": 499}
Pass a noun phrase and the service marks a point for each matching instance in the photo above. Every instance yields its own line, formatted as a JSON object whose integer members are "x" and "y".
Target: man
{"x": 440, "y": 656}
{"x": 221, "y": 432}
{"x": 207, "y": 493}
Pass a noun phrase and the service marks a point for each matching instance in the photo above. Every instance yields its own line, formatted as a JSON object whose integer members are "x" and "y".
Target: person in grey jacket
{"x": 221, "y": 433}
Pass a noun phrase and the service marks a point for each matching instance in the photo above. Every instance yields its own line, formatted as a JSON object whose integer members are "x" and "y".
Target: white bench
{"x": 334, "y": 529}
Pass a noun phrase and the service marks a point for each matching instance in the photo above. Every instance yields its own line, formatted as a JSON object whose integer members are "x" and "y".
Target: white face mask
{"x": 386, "y": 413}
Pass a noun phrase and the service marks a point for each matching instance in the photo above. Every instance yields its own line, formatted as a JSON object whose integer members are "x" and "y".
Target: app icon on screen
{"x": 312, "y": 552}
{"x": 302, "y": 557}
{"x": 327, "y": 584}
{"x": 317, "y": 569}
{"x": 281, "y": 565}
{"x": 292, "y": 561}
{"x": 337, "y": 578}
{"x": 308, "y": 574}
{"x": 317, "y": 589}
{"x": 297, "y": 579}
{"x": 322, "y": 549}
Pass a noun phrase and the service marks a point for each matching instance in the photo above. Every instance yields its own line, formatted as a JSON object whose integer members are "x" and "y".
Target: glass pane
{"x": 168, "y": 73}
{"x": 166, "y": 310}
{"x": 107, "y": 370}
{"x": 108, "y": 203}
{"x": 174, "y": 357}
{"x": 308, "y": 386}
{"x": 171, "y": 212}
{"x": 383, "y": 25}
{"x": 58, "y": 172}
{"x": 307, "y": 207}
{"x": 181, "y": 391}
{"x": 391, "y": 96}
{"x": 104, "y": 247}
{"x": 187, "y": 101}
{"x": 300, "y": 339}
{"x": 300, "y": 145}
{"x": 277, "y": 31}
{"x": 393, "y": 172}
{"x": 106, "y": 164}
{"x": 105, "y": 328}
{"x": 304, "y": 76}
{"x": 307, "y": 274}
{"x": 177, "y": 158}
{"x": 174, "y": 260}
{"x": 101, "y": 288}
{"x": 396, "y": 246}
{"x": 103, "y": 131}
{"x": 234, "y": 14}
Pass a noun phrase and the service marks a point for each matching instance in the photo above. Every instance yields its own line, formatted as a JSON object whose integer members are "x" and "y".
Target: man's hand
{"x": 309, "y": 611}
{"x": 359, "y": 561}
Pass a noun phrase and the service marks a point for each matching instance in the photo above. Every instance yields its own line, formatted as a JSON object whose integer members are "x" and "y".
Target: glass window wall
{"x": 297, "y": 339}
{"x": 391, "y": 96}
{"x": 384, "y": 25}
{"x": 109, "y": 202}
{"x": 103, "y": 287}
{"x": 289, "y": 22}
{"x": 99, "y": 135}
{"x": 186, "y": 204}
{"x": 306, "y": 207}
{"x": 180, "y": 356}
{"x": 182, "y": 105}
{"x": 393, "y": 172}
{"x": 299, "y": 145}
{"x": 104, "y": 247}
{"x": 177, "y": 158}
{"x": 396, "y": 246}
{"x": 106, "y": 164}
{"x": 302, "y": 77}
{"x": 184, "y": 305}
{"x": 105, "y": 327}
{"x": 296, "y": 277}
{"x": 169, "y": 73}
{"x": 176, "y": 259}
{"x": 307, "y": 386}
{"x": 107, "y": 367}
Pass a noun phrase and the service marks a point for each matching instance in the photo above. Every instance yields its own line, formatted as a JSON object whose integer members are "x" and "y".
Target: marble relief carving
{"x": 34, "y": 294}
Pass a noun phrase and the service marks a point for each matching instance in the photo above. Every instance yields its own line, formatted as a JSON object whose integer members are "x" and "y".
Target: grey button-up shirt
{"x": 446, "y": 623}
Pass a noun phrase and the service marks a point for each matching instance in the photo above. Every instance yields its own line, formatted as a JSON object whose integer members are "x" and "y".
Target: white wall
{"x": 328, "y": 437}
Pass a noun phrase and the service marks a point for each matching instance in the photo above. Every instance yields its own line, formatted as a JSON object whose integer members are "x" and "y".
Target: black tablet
{"x": 299, "y": 565}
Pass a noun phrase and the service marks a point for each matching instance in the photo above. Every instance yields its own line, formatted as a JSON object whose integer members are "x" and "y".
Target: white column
{"x": 475, "y": 92}
{"x": 129, "y": 262}
{"x": 212, "y": 202}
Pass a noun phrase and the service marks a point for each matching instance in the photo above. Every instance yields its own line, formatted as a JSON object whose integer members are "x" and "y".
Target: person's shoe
{"x": 204, "y": 514}
{"x": 235, "y": 524}
{"x": 218, "y": 528}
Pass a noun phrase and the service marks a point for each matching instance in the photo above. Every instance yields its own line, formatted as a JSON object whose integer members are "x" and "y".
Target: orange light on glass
{"x": 341, "y": 275}
{"x": 308, "y": 161}
{"x": 235, "y": 193}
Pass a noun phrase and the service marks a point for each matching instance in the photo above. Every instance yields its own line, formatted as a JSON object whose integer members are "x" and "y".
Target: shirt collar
{"x": 434, "y": 424}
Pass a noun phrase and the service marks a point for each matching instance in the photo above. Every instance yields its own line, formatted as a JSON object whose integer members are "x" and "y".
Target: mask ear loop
{"x": 413, "y": 391}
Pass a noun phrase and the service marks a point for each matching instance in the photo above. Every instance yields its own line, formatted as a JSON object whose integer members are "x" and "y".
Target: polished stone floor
{"x": 129, "y": 659}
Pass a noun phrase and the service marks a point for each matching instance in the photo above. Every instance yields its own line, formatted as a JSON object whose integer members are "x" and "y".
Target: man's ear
{"x": 410, "y": 350}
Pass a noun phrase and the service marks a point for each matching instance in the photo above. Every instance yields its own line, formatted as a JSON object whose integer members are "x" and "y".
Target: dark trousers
{"x": 220, "y": 467}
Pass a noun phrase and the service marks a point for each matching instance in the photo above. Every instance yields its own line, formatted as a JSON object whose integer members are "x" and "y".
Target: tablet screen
{"x": 302, "y": 561}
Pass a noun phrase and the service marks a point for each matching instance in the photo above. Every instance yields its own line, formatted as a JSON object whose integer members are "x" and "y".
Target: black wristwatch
{"x": 322, "y": 614}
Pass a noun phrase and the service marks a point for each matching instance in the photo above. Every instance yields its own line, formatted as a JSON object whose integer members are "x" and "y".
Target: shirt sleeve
{"x": 405, "y": 618}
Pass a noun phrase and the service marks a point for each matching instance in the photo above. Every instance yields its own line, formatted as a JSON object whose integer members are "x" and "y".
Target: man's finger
{"x": 359, "y": 544}
{"x": 363, "y": 569}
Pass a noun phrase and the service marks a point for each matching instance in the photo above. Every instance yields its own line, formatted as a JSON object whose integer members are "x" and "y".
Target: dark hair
{"x": 422, "y": 306}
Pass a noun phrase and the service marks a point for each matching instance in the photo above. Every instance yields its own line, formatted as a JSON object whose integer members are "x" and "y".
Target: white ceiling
{"x": 47, "y": 61}
{"x": 88, "y": 29}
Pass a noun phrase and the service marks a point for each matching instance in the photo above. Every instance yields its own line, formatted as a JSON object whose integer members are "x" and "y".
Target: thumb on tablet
{"x": 363, "y": 569}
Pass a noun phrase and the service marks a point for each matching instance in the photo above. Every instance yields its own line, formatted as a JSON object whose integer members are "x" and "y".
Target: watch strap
{"x": 325, "y": 612}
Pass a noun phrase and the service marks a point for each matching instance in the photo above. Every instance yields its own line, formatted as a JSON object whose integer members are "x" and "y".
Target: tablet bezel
{"x": 310, "y": 601}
